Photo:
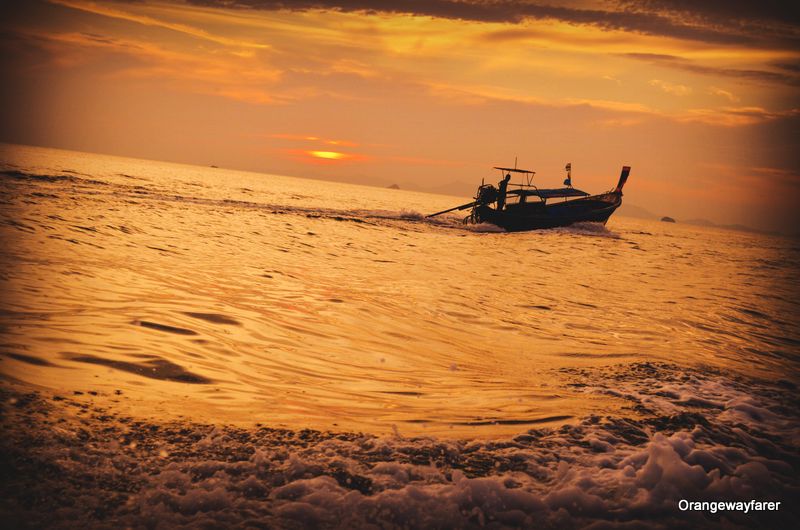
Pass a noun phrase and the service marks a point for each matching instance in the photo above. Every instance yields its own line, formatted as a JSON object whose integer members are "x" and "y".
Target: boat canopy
{"x": 549, "y": 194}
{"x": 515, "y": 170}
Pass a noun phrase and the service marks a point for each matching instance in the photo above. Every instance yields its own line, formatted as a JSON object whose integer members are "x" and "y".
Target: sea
{"x": 205, "y": 347}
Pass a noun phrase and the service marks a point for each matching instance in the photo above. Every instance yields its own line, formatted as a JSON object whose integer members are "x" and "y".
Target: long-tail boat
{"x": 529, "y": 207}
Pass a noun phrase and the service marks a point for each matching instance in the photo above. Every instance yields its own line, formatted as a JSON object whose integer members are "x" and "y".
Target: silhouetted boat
{"x": 531, "y": 208}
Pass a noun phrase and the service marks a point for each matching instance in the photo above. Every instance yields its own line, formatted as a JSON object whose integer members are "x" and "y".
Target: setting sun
{"x": 328, "y": 155}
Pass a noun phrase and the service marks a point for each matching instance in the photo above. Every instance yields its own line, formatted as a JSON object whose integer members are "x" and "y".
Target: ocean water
{"x": 366, "y": 365}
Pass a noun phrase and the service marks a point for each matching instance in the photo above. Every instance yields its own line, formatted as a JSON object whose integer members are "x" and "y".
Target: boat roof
{"x": 549, "y": 193}
{"x": 515, "y": 170}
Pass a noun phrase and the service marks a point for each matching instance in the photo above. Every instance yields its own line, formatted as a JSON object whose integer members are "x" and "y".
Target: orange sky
{"x": 701, "y": 101}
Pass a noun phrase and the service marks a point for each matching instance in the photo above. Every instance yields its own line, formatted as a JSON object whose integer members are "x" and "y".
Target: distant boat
{"x": 527, "y": 207}
{"x": 667, "y": 219}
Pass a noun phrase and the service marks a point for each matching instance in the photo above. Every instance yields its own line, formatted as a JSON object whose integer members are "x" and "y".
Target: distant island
{"x": 630, "y": 210}
{"x": 393, "y": 187}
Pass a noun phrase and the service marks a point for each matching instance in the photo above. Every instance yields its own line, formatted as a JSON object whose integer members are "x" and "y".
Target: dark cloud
{"x": 683, "y": 19}
{"x": 715, "y": 11}
{"x": 98, "y": 38}
{"x": 792, "y": 67}
{"x": 673, "y": 61}
{"x": 779, "y": 145}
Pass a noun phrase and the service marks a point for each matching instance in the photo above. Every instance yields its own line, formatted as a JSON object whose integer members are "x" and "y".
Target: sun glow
{"x": 328, "y": 155}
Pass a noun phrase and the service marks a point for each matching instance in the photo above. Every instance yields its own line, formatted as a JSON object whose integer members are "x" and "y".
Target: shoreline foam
{"x": 703, "y": 436}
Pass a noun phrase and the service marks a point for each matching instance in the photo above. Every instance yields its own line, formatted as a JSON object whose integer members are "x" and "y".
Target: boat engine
{"x": 486, "y": 194}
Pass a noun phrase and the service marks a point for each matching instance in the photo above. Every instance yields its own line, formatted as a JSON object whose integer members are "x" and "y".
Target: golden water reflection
{"x": 244, "y": 298}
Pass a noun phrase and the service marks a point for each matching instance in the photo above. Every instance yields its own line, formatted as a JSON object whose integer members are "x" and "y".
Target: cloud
{"x": 671, "y": 88}
{"x": 619, "y": 122}
{"x": 763, "y": 11}
{"x": 714, "y": 91}
{"x": 681, "y": 63}
{"x": 312, "y": 138}
{"x": 619, "y": 113}
{"x": 735, "y": 116}
{"x": 791, "y": 67}
{"x": 783, "y": 176}
{"x": 225, "y": 75}
{"x": 110, "y": 12}
{"x": 681, "y": 20}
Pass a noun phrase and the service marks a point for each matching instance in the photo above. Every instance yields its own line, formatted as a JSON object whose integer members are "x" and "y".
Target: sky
{"x": 700, "y": 98}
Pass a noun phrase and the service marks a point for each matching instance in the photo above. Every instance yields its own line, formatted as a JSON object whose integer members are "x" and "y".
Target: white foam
{"x": 711, "y": 439}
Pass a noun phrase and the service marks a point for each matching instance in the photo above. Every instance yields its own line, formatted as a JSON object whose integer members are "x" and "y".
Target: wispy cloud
{"x": 623, "y": 114}
{"x": 620, "y": 122}
{"x": 682, "y": 63}
{"x": 233, "y": 77}
{"x": 735, "y": 116}
{"x": 671, "y": 88}
{"x": 312, "y": 138}
{"x": 714, "y": 91}
{"x": 111, "y": 12}
{"x": 769, "y": 12}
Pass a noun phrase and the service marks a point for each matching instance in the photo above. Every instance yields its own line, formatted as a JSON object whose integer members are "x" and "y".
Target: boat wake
{"x": 484, "y": 228}
{"x": 588, "y": 229}
{"x": 73, "y": 183}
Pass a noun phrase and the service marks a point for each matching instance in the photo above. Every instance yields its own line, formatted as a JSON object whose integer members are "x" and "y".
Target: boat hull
{"x": 537, "y": 215}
